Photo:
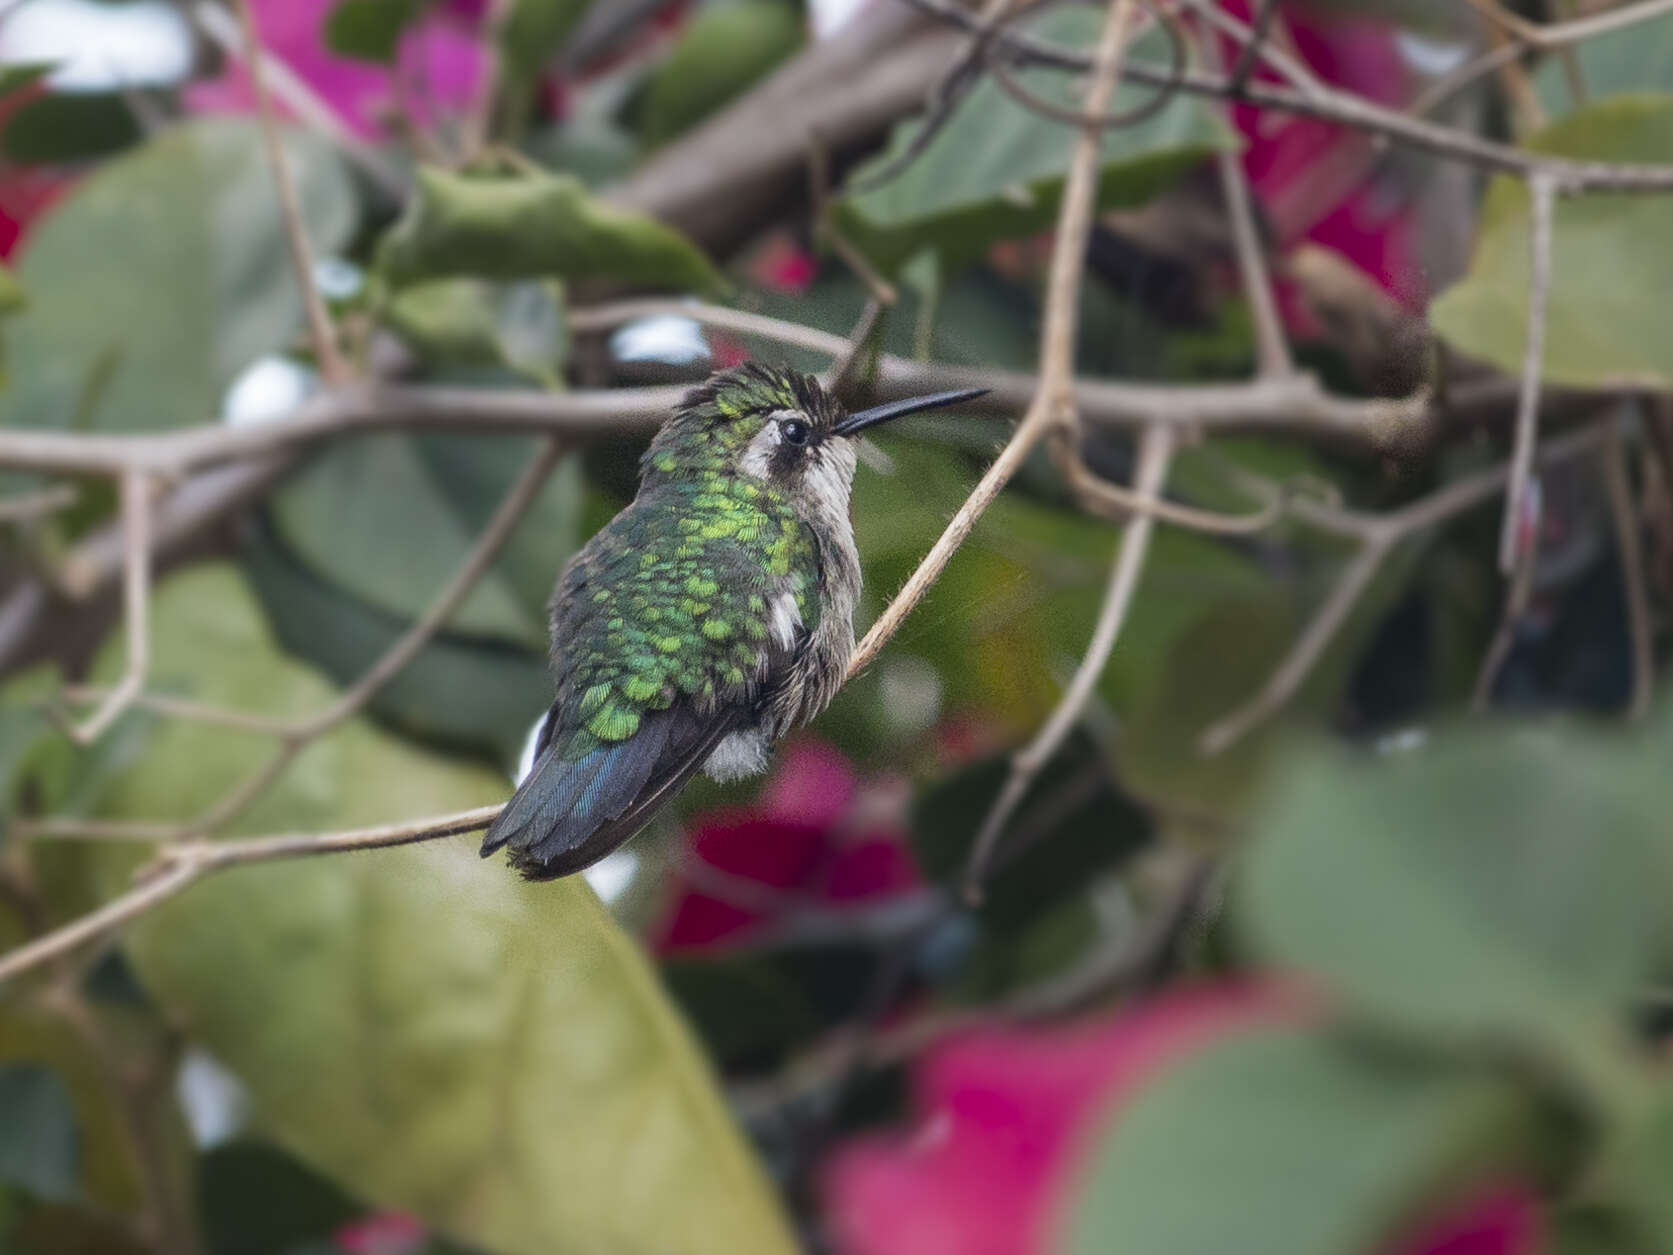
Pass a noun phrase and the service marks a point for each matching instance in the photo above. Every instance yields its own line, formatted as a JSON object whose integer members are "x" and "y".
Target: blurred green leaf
{"x": 1611, "y": 265}
{"x": 370, "y": 30}
{"x": 471, "y": 693}
{"x": 531, "y": 226}
{"x": 995, "y": 169}
{"x": 390, "y": 518}
{"x": 441, "y": 1037}
{"x": 472, "y": 323}
{"x": 1494, "y": 888}
{"x": 722, "y": 50}
{"x": 1289, "y": 1142}
{"x": 38, "y": 1135}
{"x": 161, "y": 276}
{"x": 12, "y": 294}
{"x": 20, "y": 74}
{"x": 1632, "y": 59}
{"x": 532, "y": 33}
{"x": 69, "y": 126}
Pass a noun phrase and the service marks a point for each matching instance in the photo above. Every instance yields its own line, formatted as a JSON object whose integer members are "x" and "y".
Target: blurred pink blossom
{"x": 817, "y": 831}
{"x": 382, "y": 1233}
{"x": 1323, "y": 183}
{"x": 441, "y": 59}
{"x": 1004, "y": 1113}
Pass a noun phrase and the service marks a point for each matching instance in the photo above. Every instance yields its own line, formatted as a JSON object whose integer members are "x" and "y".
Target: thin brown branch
{"x": 1551, "y": 35}
{"x": 1630, "y": 552}
{"x": 1378, "y": 535}
{"x": 1272, "y": 348}
{"x": 1542, "y": 198}
{"x": 27, "y": 507}
{"x": 179, "y": 866}
{"x": 1510, "y": 619}
{"x": 1332, "y": 105}
{"x": 136, "y": 593}
{"x": 324, "y": 336}
{"x": 1155, "y": 453}
{"x": 1054, "y": 398}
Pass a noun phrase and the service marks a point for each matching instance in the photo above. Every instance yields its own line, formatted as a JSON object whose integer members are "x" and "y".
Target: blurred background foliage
{"x": 1379, "y": 976}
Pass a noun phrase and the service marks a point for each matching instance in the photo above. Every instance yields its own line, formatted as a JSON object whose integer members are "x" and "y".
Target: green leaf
{"x": 995, "y": 169}
{"x": 468, "y": 693}
{"x": 162, "y": 275}
{"x": 370, "y": 30}
{"x": 1611, "y": 263}
{"x": 533, "y": 226}
{"x": 467, "y": 322}
{"x": 21, "y": 74}
{"x": 1288, "y": 1142}
{"x": 392, "y": 517}
{"x": 534, "y": 30}
{"x": 1495, "y": 888}
{"x": 69, "y": 126}
{"x": 419, "y": 1024}
{"x": 38, "y": 1135}
{"x": 723, "y": 50}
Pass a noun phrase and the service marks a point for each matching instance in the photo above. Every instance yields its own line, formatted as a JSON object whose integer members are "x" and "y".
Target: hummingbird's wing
{"x": 657, "y": 662}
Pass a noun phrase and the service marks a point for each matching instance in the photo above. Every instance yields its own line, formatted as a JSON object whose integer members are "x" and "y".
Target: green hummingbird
{"x": 704, "y": 621}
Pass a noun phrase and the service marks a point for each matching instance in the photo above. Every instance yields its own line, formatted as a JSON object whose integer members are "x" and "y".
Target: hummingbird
{"x": 703, "y": 622}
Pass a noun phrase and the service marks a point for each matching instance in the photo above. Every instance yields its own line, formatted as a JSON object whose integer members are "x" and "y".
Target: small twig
{"x": 1321, "y": 629}
{"x": 1054, "y": 397}
{"x": 1542, "y": 197}
{"x": 1250, "y": 55}
{"x": 1504, "y": 636}
{"x": 1272, "y": 349}
{"x": 29, "y": 506}
{"x": 136, "y": 592}
{"x": 1549, "y": 35}
{"x": 1155, "y": 453}
{"x": 842, "y": 374}
{"x": 1377, "y": 536}
{"x": 825, "y": 227}
{"x": 312, "y": 110}
{"x": 178, "y": 866}
{"x": 324, "y": 336}
{"x": 1630, "y": 551}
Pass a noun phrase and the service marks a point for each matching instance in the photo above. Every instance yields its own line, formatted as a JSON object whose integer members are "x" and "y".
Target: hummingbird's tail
{"x": 569, "y": 812}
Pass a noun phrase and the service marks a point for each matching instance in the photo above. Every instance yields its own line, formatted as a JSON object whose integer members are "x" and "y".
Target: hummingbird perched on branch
{"x": 706, "y": 620}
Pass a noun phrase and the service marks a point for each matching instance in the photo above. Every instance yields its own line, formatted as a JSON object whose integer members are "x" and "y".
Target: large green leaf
{"x": 161, "y": 276}
{"x": 393, "y": 517}
{"x": 532, "y": 226}
{"x": 722, "y": 51}
{"x": 419, "y": 1024}
{"x": 464, "y": 692}
{"x": 1612, "y": 261}
{"x": 1288, "y": 1142}
{"x": 1495, "y": 888}
{"x": 995, "y": 169}
{"x": 467, "y": 322}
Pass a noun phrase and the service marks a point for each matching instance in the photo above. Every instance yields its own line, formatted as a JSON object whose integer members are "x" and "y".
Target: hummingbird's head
{"x": 778, "y": 426}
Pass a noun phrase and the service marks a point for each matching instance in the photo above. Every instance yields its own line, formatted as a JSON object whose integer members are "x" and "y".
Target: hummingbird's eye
{"x": 794, "y": 431}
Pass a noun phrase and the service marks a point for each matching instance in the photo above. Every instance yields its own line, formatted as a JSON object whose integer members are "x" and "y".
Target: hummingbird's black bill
{"x": 856, "y": 423}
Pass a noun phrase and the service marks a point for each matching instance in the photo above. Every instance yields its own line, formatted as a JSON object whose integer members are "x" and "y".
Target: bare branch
{"x": 324, "y": 335}
{"x": 28, "y": 506}
{"x": 1542, "y": 196}
{"x": 178, "y": 866}
{"x": 1054, "y": 398}
{"x": 136, "y": 592}
{"x": 1155, "y": 453}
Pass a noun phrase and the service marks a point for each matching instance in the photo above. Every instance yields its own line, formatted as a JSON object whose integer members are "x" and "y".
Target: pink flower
{"x": 1004, "y": 1113}
{"x": 441, "y": 58}
{"x": 815, "y": 833}
{"x": 1319, "y": 182}
{"x": 382, "y": 1233}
